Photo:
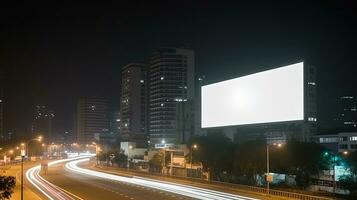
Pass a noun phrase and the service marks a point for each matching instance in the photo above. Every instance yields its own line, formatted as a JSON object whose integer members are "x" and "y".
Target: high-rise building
{"x": 42, "y": 123}
{"x": 185, "y": 120}
{"x": 92, "y": 119}
{"x": 1, "y": 108}
{"x": 346, "y": 117}
{"x": 309, "y": 126}
{"x": 171, "y": 81}
{"x": 133, "y": 103}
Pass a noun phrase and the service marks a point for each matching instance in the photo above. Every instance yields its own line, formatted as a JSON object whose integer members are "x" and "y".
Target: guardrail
{"x": 261, "y": 190}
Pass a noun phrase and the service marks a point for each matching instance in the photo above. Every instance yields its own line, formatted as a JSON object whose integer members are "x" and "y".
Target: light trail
{"x": 50, "y": 190}
{"x": 185, "y": 190}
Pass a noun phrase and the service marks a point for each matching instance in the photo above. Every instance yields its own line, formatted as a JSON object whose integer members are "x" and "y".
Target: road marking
{"x": 70, "y": 193}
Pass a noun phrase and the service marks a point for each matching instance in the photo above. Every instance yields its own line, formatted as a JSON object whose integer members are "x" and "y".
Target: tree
{"x": 156, "y": 161}
{"x": 215, "y": 151}
{"x": 7, "y": 185}
{"x": 119, "y": 158}
{"x": 352, "y": 161}
{"x": 349, "y": 183}
{"x": 250, "y": 160}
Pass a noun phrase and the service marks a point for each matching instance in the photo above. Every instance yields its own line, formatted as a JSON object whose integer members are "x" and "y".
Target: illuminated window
{"x": 141, "y": 81}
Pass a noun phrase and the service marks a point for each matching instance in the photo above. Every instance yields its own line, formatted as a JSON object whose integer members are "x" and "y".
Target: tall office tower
{"x": 92, "y": 119}
{"x": 1, "y": 108}
{"x": 42, "y": 123}
{"x": 171, "y": 81}
{"x": 133, "y": 103}
{"x": 114, "y": 124}
{"x": 346, "y": 114}
{"x": 309, "y": 127}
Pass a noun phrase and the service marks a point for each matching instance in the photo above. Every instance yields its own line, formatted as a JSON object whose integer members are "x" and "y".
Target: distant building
{"x": 2, "y": 86}
{"x": 42, "y": 123}
{"x": 114, "y": 124}
{"x": 340, "y": 142}
{"x": 346, "y": 114}
{"x": 92, "y": 119}
{"x": 309, "y": 126}
{"x": 1, "y": 114}
{"x": 171, "y": 80}
{"x": 133, "y": 103}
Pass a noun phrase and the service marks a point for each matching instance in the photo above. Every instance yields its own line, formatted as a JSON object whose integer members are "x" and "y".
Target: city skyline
{"x": 49, "y": 74}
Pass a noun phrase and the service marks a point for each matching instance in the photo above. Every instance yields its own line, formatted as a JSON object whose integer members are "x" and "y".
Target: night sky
{"x": 52, "y": 53}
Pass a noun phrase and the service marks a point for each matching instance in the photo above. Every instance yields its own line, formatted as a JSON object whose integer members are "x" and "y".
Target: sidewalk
{"x": 15, "y": 170}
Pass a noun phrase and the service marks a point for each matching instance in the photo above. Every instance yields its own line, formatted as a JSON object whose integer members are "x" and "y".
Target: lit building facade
{"x": 92, "y": 119}
{"x": 133, "y": 103}
{"x": 346, "y": 116}
{"x": 171, "y": 81}
{"x": 342, "y": 142}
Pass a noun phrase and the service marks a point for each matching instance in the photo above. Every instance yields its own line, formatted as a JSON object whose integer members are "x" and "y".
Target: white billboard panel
{"x": 275, "y": 95}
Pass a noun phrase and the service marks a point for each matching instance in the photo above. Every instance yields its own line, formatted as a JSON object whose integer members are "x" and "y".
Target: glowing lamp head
{"x": 163, "y": 141}
{"x": 195, "y": 146}
{"x": 39, "y": 138}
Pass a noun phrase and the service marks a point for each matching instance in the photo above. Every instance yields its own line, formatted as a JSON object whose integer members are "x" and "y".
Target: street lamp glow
{"x": 11, "y": 151}
{"x": 39, "y": 138}
{"x": 345, "y": 152}
{"x": 22, "y": 144}
{"x": 130, "y": 146}
{"x": 163, "y": 141}
{"x": 195, "y": 146}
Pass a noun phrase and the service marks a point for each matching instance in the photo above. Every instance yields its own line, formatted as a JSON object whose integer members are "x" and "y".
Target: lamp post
{"x": 128, "y": 163}
{"x": 39, "y": 139}
{"x": 164, "y": 157}
{"x": 192, "y": 148}
{"x": 268, "y": 166}
{"x": 23, "y": 153}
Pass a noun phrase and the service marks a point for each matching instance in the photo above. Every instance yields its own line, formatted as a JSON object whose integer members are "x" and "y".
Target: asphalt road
{"x": 82, "y": 186}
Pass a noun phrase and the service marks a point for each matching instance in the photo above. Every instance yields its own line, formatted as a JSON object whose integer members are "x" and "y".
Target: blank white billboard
{"x": 275, "y": 95}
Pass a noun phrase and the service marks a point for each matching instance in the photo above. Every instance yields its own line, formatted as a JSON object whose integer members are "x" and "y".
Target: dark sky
{"x": 52, "y": 53}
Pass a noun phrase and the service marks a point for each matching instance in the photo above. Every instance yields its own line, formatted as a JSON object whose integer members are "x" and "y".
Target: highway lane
{"x": 90, "y": 187}
{"x": 48, "y": 189}
{"x": 170, "y": 189}
{"x": 65, "y": 180}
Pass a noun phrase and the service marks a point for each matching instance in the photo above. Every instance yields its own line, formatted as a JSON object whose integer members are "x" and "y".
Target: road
{"x": 66, "y": 180}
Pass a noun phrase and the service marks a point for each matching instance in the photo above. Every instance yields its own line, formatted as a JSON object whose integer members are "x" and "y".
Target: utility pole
{"x": 22, "y": 177}
{"x": 267, "y": 170}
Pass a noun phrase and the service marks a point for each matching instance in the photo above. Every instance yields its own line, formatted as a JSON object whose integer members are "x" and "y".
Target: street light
{"x": 39, "y": 139}
{"x": 268, "y": 165}
{"x": 128, "y": 164}
{"x": 164, "y": 160}
{"x": 192, "y": 148}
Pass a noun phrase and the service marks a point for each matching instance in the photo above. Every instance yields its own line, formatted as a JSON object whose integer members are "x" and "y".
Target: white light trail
{"x": 185, "y": 190}
{"x": 51, "y": 191}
